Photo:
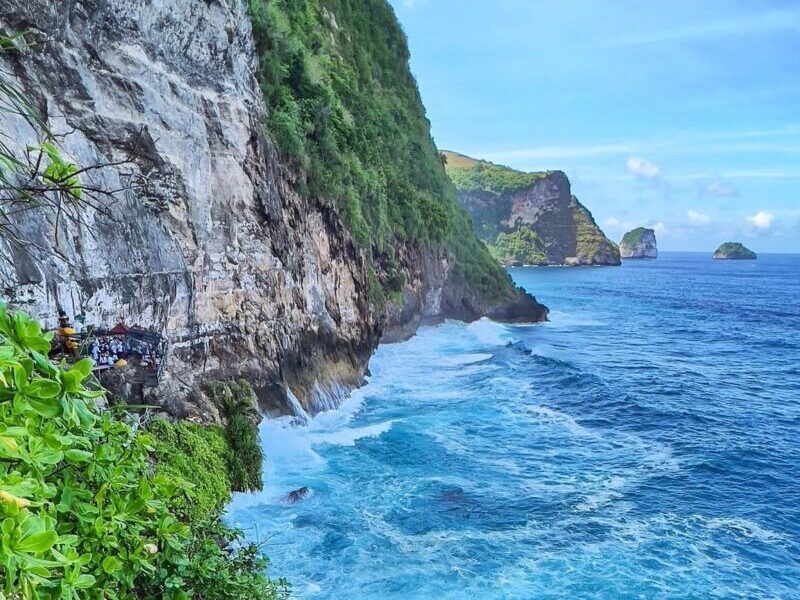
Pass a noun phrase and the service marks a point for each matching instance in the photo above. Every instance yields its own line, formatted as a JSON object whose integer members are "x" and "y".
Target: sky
{"x": 678, "y": 115}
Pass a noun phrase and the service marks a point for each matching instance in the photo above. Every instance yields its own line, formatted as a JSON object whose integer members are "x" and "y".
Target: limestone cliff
{"x": 208, "y": 243}
{"x": 639, "y": 243}
{"x": 528, "y": 218}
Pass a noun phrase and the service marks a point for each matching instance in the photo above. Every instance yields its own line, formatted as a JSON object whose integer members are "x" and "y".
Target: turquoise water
{"x": 644, "y": 444}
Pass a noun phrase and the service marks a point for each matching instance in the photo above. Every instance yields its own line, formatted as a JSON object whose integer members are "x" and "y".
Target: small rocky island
{"x": 734, "y": 251}
{"x": 639, "y": 243}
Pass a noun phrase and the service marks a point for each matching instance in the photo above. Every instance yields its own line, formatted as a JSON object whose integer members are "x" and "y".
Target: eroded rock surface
{"x": 213, "y": 249}
{"x": 207, "y": 244}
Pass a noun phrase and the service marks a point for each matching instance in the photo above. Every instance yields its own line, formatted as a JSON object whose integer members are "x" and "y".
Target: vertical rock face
{"x": 639, "y": 243}
{"x": 430, "y": 294}
{"x": 206, "y": 243}
{"x": 211, "y": 247}
{"x": 529, "y": 218}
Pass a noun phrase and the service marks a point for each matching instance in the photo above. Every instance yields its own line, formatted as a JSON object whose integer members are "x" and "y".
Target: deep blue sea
{"x": 643, "y": 444}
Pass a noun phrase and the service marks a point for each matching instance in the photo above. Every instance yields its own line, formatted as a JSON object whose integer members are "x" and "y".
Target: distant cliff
{"x": 287, "y": 208}
{"x": 528, "y": 218}
{"x": 639, "y": 243}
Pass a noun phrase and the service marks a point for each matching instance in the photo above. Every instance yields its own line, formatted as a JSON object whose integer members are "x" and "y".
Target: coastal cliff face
{"x": 639, "y": 243}
{"x": 212, "y": 248}
{"x": 529, "y": 218}
{"x": 209, "y": 242}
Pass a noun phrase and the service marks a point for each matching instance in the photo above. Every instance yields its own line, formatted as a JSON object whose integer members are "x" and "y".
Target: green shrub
{"x": 196, "y": 454}
{"x": 244, "y": 455}
{"x": 81, "y": 513}
{"x": 523, "y": 245}
{"x": 483, "y": 176}
{"x": 590, "y": 242}
{"x": 346, "y": 113}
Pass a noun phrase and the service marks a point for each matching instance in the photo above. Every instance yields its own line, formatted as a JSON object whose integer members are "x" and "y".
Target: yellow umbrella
{"x": 120, "y": 363}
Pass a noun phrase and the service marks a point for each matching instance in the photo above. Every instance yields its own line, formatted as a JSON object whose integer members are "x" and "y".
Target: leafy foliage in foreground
{"x": 40, "y": 176}
{"x": 345, "y": 112}
{"x": 81, "y": 513}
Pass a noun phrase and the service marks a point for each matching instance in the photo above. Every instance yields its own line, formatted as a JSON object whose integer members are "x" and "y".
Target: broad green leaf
{"x": 83, "y": 367}
{"x": 111, "y": 564}
{"x": 46, "y": 408}
{"x": 43, "y": 388}
{"x": 78, "y": 456}
{"x": 38, "y": 542}
{"x": 84, "y": 581}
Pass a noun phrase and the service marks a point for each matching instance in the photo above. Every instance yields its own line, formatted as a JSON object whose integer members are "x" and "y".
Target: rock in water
{"x": 734, "y": 251}
{"x": 639, "y": 243}
{"x": 297, "y": 495}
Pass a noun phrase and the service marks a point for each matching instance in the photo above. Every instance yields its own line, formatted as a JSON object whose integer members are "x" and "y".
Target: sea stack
{"x": 639, "y": 243}
{"x": 734, "y": 251}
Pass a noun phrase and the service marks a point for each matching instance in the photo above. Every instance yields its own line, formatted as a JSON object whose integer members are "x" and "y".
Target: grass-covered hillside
{"x": 346, "y": 114}
{"x": 528, "y": 218}
{"x": 472, "y": 175}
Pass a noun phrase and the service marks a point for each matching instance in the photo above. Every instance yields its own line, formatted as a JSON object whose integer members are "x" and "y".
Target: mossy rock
{"x": 734, "y": 251}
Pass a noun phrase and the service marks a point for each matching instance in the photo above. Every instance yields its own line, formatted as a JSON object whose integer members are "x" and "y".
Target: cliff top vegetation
{"x": 635, "y": 236}
{"x": 346, "y": 114}
{"x": 472, "y": 175}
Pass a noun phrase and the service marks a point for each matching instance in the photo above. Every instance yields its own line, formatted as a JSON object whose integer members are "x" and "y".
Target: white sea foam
{"x": 608, "y": 491}
{"x": 349, "y": 436}
{"x": 490, "y": 333}
{"x": 746, "y": 529}
{"x": 465, "y": 359}
{"x": 549, "y": 415}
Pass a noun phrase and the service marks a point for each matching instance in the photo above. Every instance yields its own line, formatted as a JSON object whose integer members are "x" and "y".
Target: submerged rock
{"x": 639, "y": 243}
{"x": 297, "y": 495}
{"x": 734, "y": 251}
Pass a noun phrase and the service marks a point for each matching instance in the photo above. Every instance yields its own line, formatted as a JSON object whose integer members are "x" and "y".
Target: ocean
{"x": 645, "y": 443}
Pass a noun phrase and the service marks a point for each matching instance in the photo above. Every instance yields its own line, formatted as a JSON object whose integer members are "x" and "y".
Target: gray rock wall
{"x": 212, "y": 248}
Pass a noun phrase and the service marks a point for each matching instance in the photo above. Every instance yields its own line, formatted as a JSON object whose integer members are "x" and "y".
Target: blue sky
{"x": 681, "y": 115}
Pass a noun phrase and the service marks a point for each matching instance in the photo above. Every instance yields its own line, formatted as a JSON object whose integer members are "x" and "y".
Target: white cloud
{"x": 659, "y": 228}
{"x": 761, "y": 220}
{"x": 611, "y": 222}
{"x": 717, "y": 187}
{"x": 643, "y": 167}
{"x": 712, "y": 142}
{"x": 698, "y": 218}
